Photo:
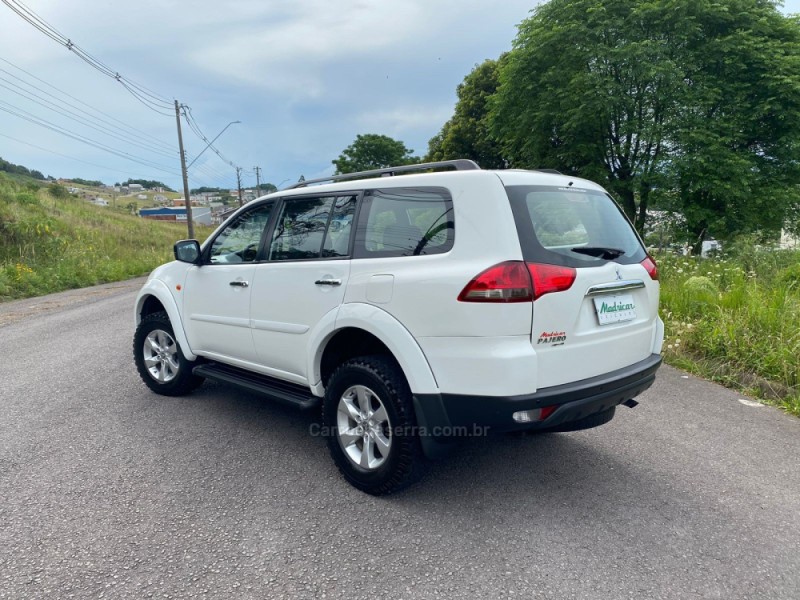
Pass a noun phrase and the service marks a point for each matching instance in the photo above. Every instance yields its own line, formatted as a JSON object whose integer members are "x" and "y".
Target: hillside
{"x": 52, "y": 241}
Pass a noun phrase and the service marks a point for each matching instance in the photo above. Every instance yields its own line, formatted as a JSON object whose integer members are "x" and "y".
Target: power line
{"x": 109, "y": 118}
{"x": 23, "y": 114}
{"x": 153, "y": 101}
{"x": 125, "y": 172}
{"x": 187, "y": 112}
{"x": 76, "y": 117}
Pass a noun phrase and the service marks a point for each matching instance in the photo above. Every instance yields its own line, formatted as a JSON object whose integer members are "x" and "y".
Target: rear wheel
{"x": 369, "y": 418}
{"x": 159, "y": 359}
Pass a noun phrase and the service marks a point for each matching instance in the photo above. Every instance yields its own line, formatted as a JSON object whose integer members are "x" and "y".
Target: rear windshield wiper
{"x": 599, "y": 252}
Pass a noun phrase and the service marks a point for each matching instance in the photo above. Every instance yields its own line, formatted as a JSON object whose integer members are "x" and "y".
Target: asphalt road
{"x": 109, "y": 491}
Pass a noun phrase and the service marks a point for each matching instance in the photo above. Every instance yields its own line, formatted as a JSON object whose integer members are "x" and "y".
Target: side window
{"x": 300, "y": 230}
{"x": 337, "y": 238}
{"x": 405, "y": 222}
{"x": 240, "y": 240}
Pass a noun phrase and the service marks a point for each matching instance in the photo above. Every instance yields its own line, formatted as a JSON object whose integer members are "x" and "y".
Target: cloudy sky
{"x": 304, "y": 77}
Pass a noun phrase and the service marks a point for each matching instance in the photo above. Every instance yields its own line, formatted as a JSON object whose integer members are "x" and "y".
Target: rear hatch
{"x": 595, "y": 289}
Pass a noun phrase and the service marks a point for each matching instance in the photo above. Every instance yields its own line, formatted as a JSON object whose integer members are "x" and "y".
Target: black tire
{"x": 404, "y": 462}
{"x": 589, "y": 422}
{"x": 177, "y": 381}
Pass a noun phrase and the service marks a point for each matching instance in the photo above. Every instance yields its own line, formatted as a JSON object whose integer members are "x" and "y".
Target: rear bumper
{"x": 444, "y": 417}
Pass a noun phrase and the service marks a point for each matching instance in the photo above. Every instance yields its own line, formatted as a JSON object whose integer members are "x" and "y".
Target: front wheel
{"x": 159, "y": 359}
{"x": 369, "y": 418}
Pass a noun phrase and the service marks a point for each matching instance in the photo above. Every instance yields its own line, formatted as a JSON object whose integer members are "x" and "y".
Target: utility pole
{"x": 258, "y": 181}
{"x": 239, "y": 184}
{"x": 185, "y": 175}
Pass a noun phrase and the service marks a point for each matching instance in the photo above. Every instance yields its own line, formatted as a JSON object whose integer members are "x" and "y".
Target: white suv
{"x": 415, "y": 309}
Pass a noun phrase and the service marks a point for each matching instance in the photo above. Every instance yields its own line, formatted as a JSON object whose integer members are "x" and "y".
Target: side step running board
{"x": 282, "y": 391}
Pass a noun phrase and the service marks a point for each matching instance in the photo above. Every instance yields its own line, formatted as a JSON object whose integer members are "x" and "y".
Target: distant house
{"x": 135, "y": 187}
{"x": 160, "y": 199}
{"x": 201, "y": 216}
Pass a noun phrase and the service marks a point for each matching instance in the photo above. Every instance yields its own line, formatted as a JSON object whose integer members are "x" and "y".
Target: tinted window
{"x": 405, "y": 222}
{"x": 300, "y": 229}
{"x": 572, "y": 227}
{"x": 240, "y": 240}
{"x": 337, "y": 238}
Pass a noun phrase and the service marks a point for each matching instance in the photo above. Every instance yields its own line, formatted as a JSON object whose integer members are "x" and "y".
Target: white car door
{"x": 303, "y": 279}
{"x": 217, "y": 293}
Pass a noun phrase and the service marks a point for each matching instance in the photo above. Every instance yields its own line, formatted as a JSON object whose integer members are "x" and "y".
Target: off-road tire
{"x": 183, "y": 381}
{"x": 405, "y": 462}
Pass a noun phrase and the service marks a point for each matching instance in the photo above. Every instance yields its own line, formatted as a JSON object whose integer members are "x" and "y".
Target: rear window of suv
{"x": 572, "y": 227}
{"x": 405, "y": 222}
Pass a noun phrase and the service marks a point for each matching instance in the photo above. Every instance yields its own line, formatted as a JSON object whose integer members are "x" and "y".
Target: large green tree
{"x": 467, "y": 134}
{"x": 373, "y": 151}
{"x": 736, "y": 138}
{"x": 692, "y": 98}
{"x": 589, "y": 89}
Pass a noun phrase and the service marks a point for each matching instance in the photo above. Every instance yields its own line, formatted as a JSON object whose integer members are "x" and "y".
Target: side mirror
{"x": 187, "y": 251}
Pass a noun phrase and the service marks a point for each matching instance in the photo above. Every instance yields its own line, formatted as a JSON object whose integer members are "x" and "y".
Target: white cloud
{"x": 303, "y": 76}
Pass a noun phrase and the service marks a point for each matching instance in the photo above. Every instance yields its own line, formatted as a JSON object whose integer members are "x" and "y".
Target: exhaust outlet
{"x": 631, "y": 403}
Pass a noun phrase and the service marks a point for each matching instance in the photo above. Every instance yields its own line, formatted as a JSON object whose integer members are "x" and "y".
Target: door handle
{"x": 239, "y": 283}
{"x": 328, "y": 282}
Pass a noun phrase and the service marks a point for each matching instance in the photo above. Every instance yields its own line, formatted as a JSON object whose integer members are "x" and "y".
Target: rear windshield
{"x": 572, "y": 227}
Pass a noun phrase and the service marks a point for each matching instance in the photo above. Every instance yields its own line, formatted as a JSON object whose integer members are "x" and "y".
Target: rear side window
{"x": 572, "y": 227}
{"x": 405, "y": 222}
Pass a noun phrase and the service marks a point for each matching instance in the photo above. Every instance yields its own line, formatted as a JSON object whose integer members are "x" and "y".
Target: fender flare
{"x": 383, "y": 326}
{"x": 159, "y": 290}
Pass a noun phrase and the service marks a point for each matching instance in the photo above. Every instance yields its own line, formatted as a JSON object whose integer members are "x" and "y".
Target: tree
{"x": 373, "y": 151}
{"x": 467, "y": 134}
{"x": 589, "y": 89}
{"x": 19, "y": 170}
{"x": 57, "y": 191}
{"x": 736, "y": 156}
{"x": 149, "y": 184}
{"x": 269, "y": 188}
{"x": 693, "y": 99}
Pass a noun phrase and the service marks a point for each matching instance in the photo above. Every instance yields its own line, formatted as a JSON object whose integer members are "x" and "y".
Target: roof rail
{"x": 460, "y": 164}
{"x": 552, "y": 171}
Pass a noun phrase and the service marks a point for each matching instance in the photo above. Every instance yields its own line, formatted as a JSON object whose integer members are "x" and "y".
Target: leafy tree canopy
{"x": 267, "y": 187}
{"x": 149, "y": 184}
{"x": 86, "y": 182}
{"x": 19, "y": 170}
{"x": 690, "y": 99}
{"x": 373, "y": 151}
{"x": 467, "y": 134}
{"x": 209, "y": 190}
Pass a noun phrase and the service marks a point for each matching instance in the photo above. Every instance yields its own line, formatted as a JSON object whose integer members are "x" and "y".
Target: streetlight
{"x": 211, "y": 142}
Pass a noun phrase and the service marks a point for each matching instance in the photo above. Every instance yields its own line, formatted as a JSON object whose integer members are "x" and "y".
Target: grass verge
{"x": 735, "y": 319}
{"x": 51, "y": 241}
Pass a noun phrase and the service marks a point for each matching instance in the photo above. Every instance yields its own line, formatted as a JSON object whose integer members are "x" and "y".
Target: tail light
{"x": 516, "y": 281}
{"x": 550, "y": 278}
{"x": 650, "y": 266}
{"x": 506, "y": 282}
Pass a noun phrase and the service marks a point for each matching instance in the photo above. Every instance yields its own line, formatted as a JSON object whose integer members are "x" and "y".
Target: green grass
{"x": 736, "y": 319}
{"x": 49, "y": 244}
